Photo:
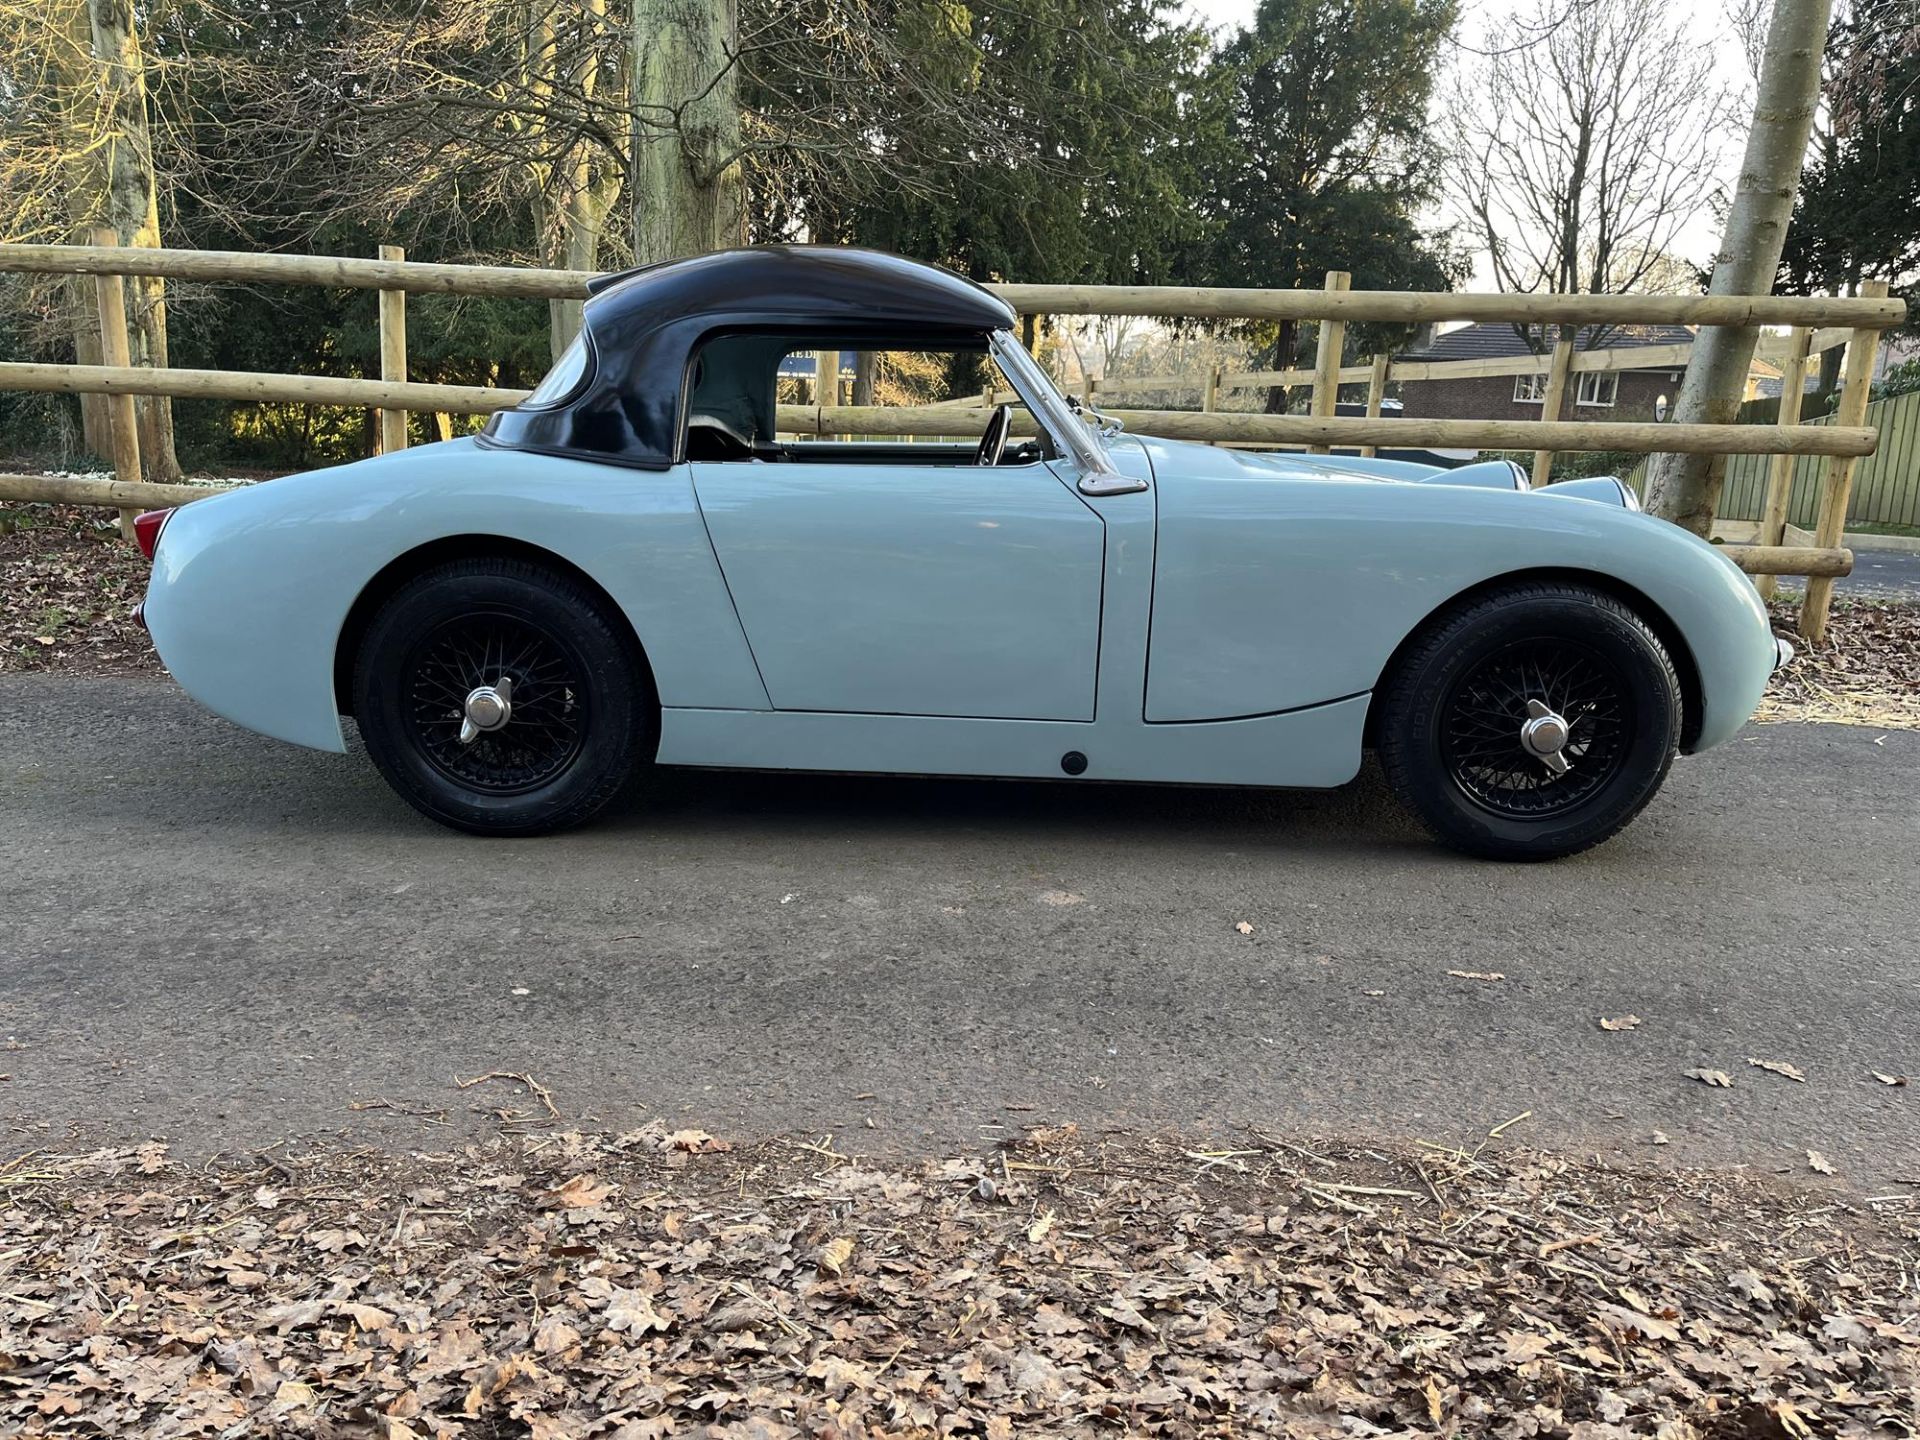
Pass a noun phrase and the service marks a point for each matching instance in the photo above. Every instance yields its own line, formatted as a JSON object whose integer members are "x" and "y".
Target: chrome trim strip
{"x": 1098, "y": 475}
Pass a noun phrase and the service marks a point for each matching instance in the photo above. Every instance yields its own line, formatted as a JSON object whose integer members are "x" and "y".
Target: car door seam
{"x": 1100, "y": 613}
{"x": 1153, "y": 586}
{"x": 693, "y": 484}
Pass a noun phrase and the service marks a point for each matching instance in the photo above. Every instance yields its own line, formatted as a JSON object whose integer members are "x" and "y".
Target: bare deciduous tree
{"x": 454, "y": 111}
{"x": 123, "y": 151}
{"x": 577, "y": 183}
{"x": 1686, "y": 488}
{"x": 77, "y": 152}
{"x": 451, "y": 115}
{"x": 1749, "y": 19}
{"x": 1577, "y": 156}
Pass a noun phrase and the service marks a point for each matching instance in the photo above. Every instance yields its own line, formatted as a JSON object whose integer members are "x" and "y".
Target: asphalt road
{"x": 223, "y": 941}
{"x": 1881, "y": 573}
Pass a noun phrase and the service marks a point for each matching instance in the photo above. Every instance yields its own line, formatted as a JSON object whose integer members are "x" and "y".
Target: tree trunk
{"x": 687, "y": 180}
{"x": 96, "y": 423}
{"x": 1829, "y": 379}
{"x": 863, "y": 378}
{"x": 82, "y": 186}
{"x": 579, "y": 250}
{"x": 583, "y": 218}
{"x": 574, "y": 201}
{"x": 1828, "y": 387}
{"x": 1686, "y": 488}
{"x": 132, "y": 209}
{"x": 1286, "y": 345}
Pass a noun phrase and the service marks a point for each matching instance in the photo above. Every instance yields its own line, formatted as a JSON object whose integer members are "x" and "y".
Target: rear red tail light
{"x": 147, "y": 528}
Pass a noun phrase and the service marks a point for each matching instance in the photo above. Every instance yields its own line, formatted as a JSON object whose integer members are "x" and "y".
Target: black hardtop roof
{"x": 644, "y": 330}
{"x": 811, "y": 284}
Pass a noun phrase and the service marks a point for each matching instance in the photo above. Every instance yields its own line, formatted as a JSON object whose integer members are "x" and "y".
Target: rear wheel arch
{"x": 402, "y": 568}
{"x": 1693, "y": 712}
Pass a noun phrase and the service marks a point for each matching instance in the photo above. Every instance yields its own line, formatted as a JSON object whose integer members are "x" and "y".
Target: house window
{"x": 1597, "y": 387}
{"x": 1530, "y": 389}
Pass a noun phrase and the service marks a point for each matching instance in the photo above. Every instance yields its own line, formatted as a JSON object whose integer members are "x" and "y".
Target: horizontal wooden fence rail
{"x": 1812, "y": 560}
{"x": 339, "y": 272}
{"x": 1408, "y": 307}
{"x": 1171, "y": 301}
{"x": 1343, "y": 430}
{"x": 1820, "y": 323}
{"x": 1629, "y": 357}
{"x": 256, "y": 386}
{"x": 1351, "y": 430}
{"x": 85, "y": 490}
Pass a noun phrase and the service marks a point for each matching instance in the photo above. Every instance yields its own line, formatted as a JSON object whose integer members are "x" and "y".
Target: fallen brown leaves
{"x": 1866, "y": 673}
{"x": 1718, "y": 1078}
{"x": 71, "y": 585}
{"x": 574, "y": 1285}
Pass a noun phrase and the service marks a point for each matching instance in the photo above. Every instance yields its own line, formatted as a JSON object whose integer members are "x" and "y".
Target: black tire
{"x": 582, "y": 721}
{"x": 1443, "y": 734}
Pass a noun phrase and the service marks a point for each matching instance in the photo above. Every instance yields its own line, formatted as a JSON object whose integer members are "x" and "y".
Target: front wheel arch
{"x": 1692, "y": 704}
{"x": 421, "y": 558}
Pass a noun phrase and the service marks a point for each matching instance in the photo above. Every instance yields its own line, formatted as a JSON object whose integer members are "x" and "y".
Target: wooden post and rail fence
{"x": 1819, "y": 323}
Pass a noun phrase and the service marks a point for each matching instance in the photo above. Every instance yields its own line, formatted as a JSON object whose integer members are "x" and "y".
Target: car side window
{"x": 755, "y": 399}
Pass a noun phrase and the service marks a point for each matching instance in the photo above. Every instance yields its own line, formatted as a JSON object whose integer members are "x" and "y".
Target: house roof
{"x": 1498, "y": 340}
{"x": 1771, "y": 387}
{"x": 805, "y": 362}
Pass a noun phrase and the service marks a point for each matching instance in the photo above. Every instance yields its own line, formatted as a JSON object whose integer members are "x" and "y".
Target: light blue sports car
{"x": 632, "y": 569}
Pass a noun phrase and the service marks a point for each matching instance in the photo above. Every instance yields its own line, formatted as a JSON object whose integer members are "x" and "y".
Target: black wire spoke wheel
{"x": 536, "y": 731}
{"x": 504, "y": 698}
{"x": 1531, "y": 721}
{"x": 1484, "y": 724}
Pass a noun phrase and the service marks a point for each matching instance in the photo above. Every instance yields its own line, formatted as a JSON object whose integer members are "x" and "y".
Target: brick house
{"x": 1591, "y": 395}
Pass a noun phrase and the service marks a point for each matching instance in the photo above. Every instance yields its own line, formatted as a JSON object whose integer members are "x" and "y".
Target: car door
{"x": 911, "y": 589}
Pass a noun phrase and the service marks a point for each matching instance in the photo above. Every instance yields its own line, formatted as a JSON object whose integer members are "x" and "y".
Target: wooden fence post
{"x": 111, "y": 299}
{"x": 1773, "y": 514}
{"x": 1852, "y": 410}
{"x": 1376, "y": 392}
{"x": 393, "y": 355}
{"x": 1326, "y": 361}
{"x": 1555, "y": 398}
{"x": 1210, "y": 395}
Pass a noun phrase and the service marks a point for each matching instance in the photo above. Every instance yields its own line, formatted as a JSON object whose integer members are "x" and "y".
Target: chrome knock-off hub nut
{"x": 488, "y": 708}
{"x": 1544, "y": 734}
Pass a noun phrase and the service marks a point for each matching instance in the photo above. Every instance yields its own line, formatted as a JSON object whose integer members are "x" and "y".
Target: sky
{"x": 1706, "y": 20}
